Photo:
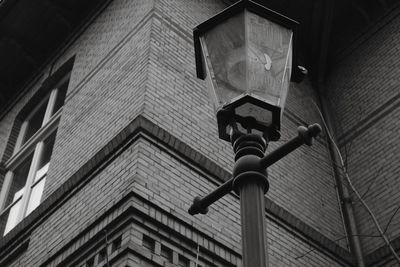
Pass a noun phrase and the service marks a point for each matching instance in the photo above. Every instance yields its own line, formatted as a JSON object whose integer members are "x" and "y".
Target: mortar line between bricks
{"x": 124, "y": 40}
{"x": 173, "y": 26}
{"x": 366, "y": 123}
{"x": 185, "y": 160}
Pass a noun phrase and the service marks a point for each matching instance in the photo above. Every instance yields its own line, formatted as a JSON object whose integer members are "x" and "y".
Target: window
{"x": 116, "y": 244}
{"x": 27, "y": 168}
{"x": 183, "y": 261}
{"x": 149, "y": 243}
{"x": 166, "y": 253}
{"x": 102, "y": 255}
{"x": 90, "y": 262}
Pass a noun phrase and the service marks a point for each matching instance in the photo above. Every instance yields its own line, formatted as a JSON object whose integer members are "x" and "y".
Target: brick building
{"x": 106, "y": 136}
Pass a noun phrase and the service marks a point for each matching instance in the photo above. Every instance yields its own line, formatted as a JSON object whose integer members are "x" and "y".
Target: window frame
{"x": 33, "y": 146}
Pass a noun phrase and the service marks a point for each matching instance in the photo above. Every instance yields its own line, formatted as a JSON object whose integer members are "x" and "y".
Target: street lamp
{"x": 246, "y": 54}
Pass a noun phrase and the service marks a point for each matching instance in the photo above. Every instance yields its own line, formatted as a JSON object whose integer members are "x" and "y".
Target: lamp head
{"x": 246, "y": 54}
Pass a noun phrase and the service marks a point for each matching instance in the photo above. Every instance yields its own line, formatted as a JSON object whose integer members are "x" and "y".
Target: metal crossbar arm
{"x": 200, "y": 205}
{"x": 305, "y": 136}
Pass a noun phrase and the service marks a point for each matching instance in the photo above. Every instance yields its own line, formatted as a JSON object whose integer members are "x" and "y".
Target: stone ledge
{"x": 382, "y": 254}
{"x": 9, "y": 254}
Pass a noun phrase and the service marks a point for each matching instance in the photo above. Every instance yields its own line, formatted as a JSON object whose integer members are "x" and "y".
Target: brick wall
{"x": 84, "y": 208}
{"x": 107, "y": 85}
{"x": 363, "y": 90}
{"x": 169, "y": 184}
{"x": 136, "y": 58}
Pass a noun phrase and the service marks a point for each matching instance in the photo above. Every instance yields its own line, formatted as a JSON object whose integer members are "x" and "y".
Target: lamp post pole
{"x": 250, "y": 183}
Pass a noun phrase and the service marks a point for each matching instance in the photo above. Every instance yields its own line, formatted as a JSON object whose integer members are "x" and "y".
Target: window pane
{"x": 62, "y": 91}
{"x": 47, "y": 149}
{"x": 36, "y": 196}
{"x": 35, "y": 122}
{"x": 13, "y": 216}
{"x": 41, "y": 172}
{"x": 18, "y": 180}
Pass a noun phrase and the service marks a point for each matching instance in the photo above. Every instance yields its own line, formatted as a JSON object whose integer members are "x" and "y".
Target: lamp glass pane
{"x": 268, "y": 46}
{"x": 262, "y": 115}
{"x": 225, "y": 46}
{"x": 286, "y": 77}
